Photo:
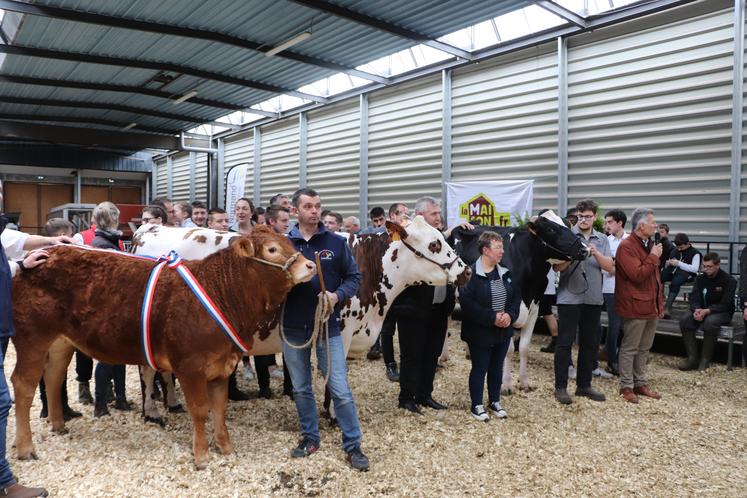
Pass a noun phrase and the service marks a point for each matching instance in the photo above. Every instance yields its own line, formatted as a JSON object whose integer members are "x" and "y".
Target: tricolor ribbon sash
{"x": 174, "y": 262}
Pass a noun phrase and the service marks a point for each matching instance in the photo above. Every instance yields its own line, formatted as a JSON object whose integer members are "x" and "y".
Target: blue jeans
{"x": 299, "y": 366}
{"x": 487, "y": 360}
{"x": 614, "y": 327}
{"x": 6, "y": 476}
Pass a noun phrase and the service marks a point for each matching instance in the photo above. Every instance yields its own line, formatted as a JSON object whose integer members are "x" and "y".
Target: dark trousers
{"x": 675, "y": 280}
{"x": 487, "y": 360}
{"x": 614, "y": 330}
{"x": 420, "y": 344}
{"x": 105, "y": 373}
{"x": 83, "y": 366}
{"x": 585, "y": 319}
{"x": 43, "y": 393}
{"x": 262, "y": 364}
{"x": 387, "y": 338}
{"x": 711, "y": 324}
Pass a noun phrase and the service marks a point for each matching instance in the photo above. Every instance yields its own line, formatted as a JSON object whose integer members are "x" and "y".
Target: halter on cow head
{"x": 268, "y": 248}
{"x": 433, "y": 255}
{"x": 559, "y": 242}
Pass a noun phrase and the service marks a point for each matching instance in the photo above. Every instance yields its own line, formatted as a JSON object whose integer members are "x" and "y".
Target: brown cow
{"x": 94, "y": 300}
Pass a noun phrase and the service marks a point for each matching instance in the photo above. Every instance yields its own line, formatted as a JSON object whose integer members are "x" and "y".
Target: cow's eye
{"x": 273, "y": 250}
{"x": 435, "y": 247}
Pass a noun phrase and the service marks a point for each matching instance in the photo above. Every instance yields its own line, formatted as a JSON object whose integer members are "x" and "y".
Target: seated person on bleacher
{"x": 712, "y": 305}
{"x": 681, "y": 267}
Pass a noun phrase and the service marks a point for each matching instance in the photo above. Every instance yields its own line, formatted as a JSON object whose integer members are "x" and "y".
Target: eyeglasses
{"x": 585, "y": 217}
{"x": 147, "y": 220}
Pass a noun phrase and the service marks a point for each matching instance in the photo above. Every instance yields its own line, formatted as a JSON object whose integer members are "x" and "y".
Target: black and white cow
{"x": 529, "y": 252}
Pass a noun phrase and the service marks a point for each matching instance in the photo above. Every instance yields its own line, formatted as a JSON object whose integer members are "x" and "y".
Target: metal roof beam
{"x": 164, "y": 29}
{"x": 76, "y": 104}
{"x": 87, "y": 136}
{"x": 157, "y": 66}
{"x": 73, "y": 119}
{"x": 105, "y": 87}
{"x": 380, "y": 25}
{"x": 536, "y": 39}
{"x": 562, "y": 12}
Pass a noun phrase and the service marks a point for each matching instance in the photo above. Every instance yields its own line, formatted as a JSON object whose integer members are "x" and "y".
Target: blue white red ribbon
{"x": 174, "y": 262}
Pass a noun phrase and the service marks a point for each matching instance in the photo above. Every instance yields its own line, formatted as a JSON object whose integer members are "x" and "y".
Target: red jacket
{"x": 638, "y": 289}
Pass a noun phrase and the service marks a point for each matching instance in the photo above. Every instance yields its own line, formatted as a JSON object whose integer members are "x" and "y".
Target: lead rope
{"x": 321, "y": 322}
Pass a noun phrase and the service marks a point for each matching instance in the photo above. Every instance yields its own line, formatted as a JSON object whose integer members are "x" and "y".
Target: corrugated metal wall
{"x": 279, "y": 156}
{"x": 162, "y": 179}
{"x": 650, "y": 122}
{"x": 180, "y": 177}
{"x": 240, "y": 150}
{"x": 404, "y": 143}
{"x": 649, "y": 117}
{"x": 505, "y": 122}
{"x": 333, "y": 157}
{"x": 201, "y": 177}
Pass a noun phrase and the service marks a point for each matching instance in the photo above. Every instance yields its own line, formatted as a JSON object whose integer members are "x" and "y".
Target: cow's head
{"x": 268, "y": 248}
{"x": 559, "y": 242}
{"x": 429, "y": 259}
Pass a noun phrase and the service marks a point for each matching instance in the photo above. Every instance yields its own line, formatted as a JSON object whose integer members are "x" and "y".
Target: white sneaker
{"x": 600, "y": 372}
{"x": 248, "y": 372}
{"x": 498, "y": 410}
{"x": 479, "y": 413}
{"x": 277, "y": 373}
{"x": 572, "y": 372}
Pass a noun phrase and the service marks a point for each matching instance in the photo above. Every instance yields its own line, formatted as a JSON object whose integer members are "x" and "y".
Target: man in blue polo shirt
{"x": 341, "y": 279}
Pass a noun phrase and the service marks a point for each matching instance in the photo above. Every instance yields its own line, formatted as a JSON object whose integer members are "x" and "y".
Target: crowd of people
{"x": 623, "y": 275}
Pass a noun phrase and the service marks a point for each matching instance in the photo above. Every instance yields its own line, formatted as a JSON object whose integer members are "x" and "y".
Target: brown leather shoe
{"x": 19, "y": 491}
{"x": 628, "y": 395}
{"x": 644, "y": 390}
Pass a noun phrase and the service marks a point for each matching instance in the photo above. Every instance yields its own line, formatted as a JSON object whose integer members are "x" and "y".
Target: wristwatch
{"x": 21, "y": 265}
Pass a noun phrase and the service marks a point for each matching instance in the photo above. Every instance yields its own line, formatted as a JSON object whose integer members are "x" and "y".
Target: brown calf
{"x": 93, "y": 299}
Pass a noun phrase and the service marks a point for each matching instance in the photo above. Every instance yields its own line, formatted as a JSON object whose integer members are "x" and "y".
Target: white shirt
{"x": 550, "y": 290}
{"x": 13, "y": 242}
{"x": 608, "y": 281}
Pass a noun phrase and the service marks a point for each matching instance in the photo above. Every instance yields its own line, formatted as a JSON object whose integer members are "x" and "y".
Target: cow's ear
{"x": 531, "y": 228}
{"x": 396, "y": 231}
{"x": 244, "y": 247}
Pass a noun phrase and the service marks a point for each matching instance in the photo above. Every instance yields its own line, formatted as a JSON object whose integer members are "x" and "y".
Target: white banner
{"x": 497, "y": 203}
{"x": 235, "y": 183}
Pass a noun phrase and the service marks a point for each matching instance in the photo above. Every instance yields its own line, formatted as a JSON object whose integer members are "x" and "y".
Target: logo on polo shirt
{"x": 326, "y": 254}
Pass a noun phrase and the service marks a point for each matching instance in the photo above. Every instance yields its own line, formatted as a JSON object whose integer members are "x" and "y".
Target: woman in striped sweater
{"x": 490, "y": 302}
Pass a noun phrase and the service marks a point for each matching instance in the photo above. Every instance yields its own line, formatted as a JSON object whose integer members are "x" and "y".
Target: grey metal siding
{"x": 404, "y": 146}
{"x": 505, "y": 123}
{"x": 650, "y": 122}
{"x": 180, "y": 177}
{"x": 332, "y": 159}
{"x": 279, "y": 153}
{"x": 239, "y": 149}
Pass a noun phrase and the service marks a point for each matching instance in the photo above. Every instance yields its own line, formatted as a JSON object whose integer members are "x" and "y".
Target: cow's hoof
{"x": 27, "y": 455}
{"x": 177, "y": 409}
{"x": 155, "y": 420}
{"x": 201, "y": 465}
{"x": 507, "y": 391}
{"x": 60, "y": 430}
{"x": 528, "y": 388}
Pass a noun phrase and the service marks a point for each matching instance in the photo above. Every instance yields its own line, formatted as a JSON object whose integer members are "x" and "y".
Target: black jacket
{"x": 6, "y": 304}
{"x": 105, "y": 239}
{"x": 686, "y": 257}
{"x": 716, "y": 294}
{"x": 478, "y": 321}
